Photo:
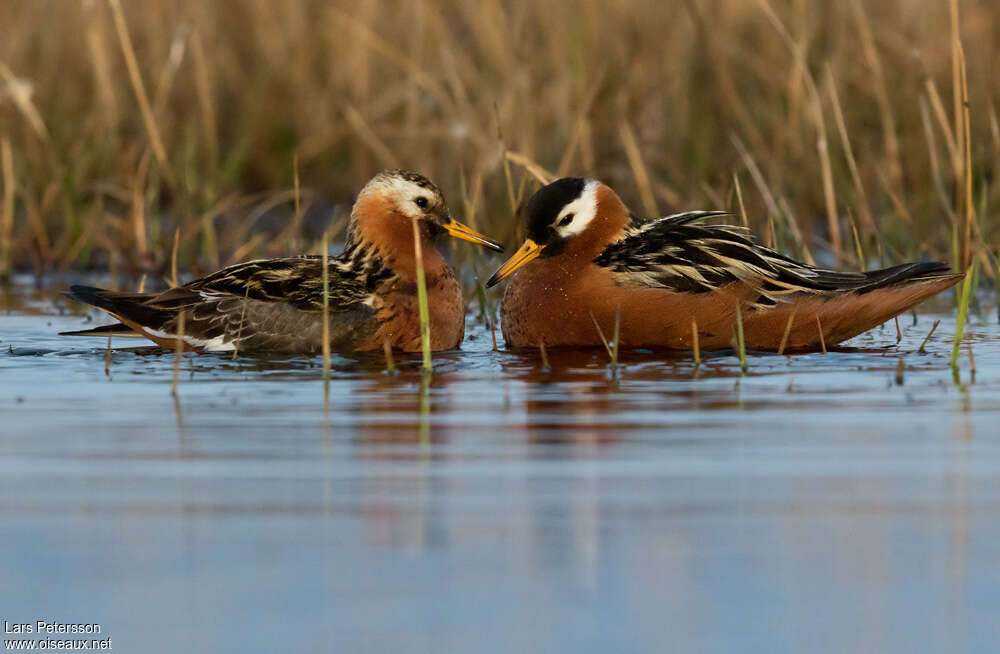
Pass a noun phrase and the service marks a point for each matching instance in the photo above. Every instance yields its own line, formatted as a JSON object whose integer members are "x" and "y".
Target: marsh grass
{"x": 425, "y": 321}
{"x": 7, "y": 215}
{"x": 695, "y": 345}
{"x": 788, "y": 330}
{"x": 600, "y": 334}
{"x": 174, "y": 278}
{"x": 129, "y": 121}
{"x": 741, "y": 348}
{"x": 107, "y": 359}
{"x": 326, "y": 315}
{"x": 963, "y": 310}
{"x": 243, "y": 316}
{"x": 178, "y": 352}
{"x": 545, "y": 357}
{"x": 923, "y": 343}
{"x": 390, "y": 363}
{"x": 972, "y": 364}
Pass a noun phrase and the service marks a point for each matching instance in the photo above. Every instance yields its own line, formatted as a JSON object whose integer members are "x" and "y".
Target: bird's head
{"x": 414, "y": 197}
{"x": 570, "y": 213}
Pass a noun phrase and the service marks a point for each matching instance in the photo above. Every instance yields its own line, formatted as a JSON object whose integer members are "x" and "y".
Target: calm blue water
{"x": 816, "y": 504}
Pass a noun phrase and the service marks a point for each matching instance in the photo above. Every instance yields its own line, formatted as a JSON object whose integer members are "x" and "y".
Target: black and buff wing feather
{"x": 273, "y": 304}
{"x": 678, "y": 253}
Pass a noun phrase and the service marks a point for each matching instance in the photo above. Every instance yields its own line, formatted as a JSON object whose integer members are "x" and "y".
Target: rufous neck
{"x": 607, "y": 226}
{"x": 376, "y": 223}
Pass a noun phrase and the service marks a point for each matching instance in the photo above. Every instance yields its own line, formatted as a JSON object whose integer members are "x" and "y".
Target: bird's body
{"x": 276, "y": 305}
{"x": 587, "y": 261}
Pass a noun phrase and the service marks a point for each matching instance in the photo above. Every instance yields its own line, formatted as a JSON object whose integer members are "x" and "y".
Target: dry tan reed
{"x": 741, "y": 348}
{"x": 545, "y": 356}
{"x": 135, "y": 76}
{"x": 788, "y": 330}
{"x": 7, "y": 215}
{"x": 923, "y": 343}
{"x": 390, "y": 363}
{"x": 178, "y": 352}
{"x": 325, "y": 345}
{"x": 127, "y": 121}
{"x": 600, "y": 333}
{"x": 694, "y": 341}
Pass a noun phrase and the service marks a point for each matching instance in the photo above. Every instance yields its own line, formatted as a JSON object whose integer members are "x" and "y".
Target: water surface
{"x": 847, "y": 501}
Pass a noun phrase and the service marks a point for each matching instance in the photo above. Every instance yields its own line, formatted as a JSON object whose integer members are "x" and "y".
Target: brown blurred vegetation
{"x": 668, "y": 101}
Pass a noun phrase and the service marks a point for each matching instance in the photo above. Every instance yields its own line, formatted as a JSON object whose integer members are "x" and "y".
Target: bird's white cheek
{"x": 580, "y": 222}
{"x": 584, "y": 209}
{"x": 409, "y": 213}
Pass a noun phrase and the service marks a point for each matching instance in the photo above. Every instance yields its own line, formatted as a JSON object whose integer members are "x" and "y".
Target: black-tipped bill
{"x": 526, "y": 253}
{"x": 458, "y": 230}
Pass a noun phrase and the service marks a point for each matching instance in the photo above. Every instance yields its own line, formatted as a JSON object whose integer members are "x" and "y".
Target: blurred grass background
{"x": 842, "y": 122}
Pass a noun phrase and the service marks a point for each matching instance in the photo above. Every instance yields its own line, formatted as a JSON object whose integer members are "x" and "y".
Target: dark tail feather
{"x": 127, "y": 307}
{"x": 103, "y": 298}
{"x": 119, "y": 329}
{"x": 906, "y": 273}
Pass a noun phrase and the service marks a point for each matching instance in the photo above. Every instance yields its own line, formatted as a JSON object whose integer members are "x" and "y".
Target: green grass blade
{"x": 963, "y": 310}
{"x": 425, "y": 320}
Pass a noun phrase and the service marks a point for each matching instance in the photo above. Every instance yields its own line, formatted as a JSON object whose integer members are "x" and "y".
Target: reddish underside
{"x": 546, "y": 303}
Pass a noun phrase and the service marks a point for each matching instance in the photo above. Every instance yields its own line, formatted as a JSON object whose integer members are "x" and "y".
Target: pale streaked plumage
{"x": 275, "y": 305}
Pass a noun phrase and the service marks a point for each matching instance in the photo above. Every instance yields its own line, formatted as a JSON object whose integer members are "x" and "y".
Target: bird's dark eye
{"x": 567, "y": 219}
{"x": 421, "y": 202}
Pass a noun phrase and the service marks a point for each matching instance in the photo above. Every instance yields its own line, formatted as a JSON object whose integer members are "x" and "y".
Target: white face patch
{"x": 576, "y": 215}
{"x": 403, "y": 192}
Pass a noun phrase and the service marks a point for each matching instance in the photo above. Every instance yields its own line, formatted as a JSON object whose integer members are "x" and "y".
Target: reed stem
{"x": 972, "y": 364}
{"x": 7, "y": 217}
{"x": 107, "y": 359}
{"x": 963, "y": 309}
{"x": 326, "y": 312}
{"x": 178, "y": 351}
{"x": 694, "y": 341}
{"x": 923, "y": 343}
{"x": 639, "y": 171}
{"x": 614, "y": 347}
{"x": 140, "y": 90}
{"x": 822, "y": 341}
{"x": 425, "y": 320}
{"x": 739, "y": 339}
{"x": 600, "y": 332}
{"x": 739, "y": 199}
{"x": 174, "y": 282}
{"x": 390, "y": 364}
{"x": 788, "y": 330}
{"x": 968, "y": 215}
{"x": 243, "y": 315}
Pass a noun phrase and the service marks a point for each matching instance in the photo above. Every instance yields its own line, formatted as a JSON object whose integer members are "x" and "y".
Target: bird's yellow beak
{"x": 458, "y": 230}
{"x": 526, "y": 253}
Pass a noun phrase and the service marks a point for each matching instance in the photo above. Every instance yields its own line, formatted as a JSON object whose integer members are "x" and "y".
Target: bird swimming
{"x": 276, "y": 305}
{"x": 587, "y": 259}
